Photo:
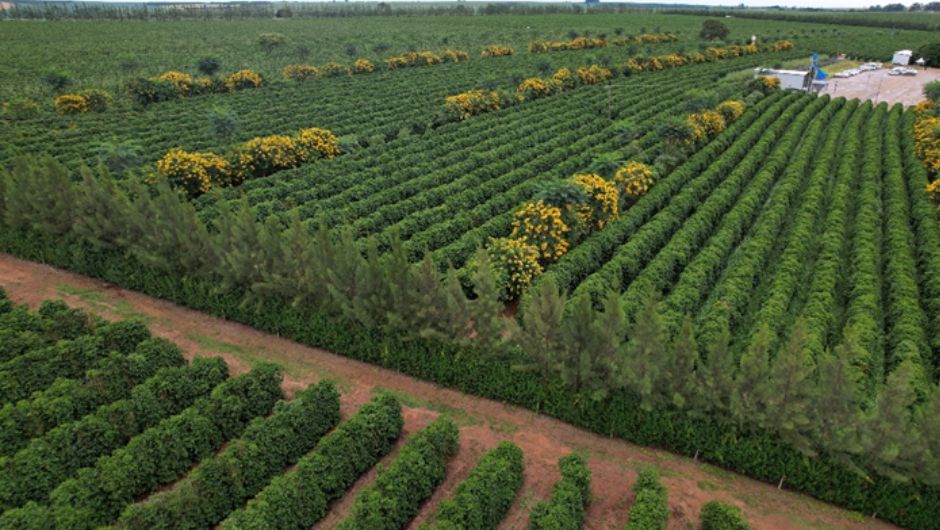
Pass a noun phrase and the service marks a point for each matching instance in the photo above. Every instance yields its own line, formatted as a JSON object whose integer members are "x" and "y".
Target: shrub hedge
{"x": 70, "y": 399}
{"x": 565, "y": 511}
{"x": 483, "y": 498}
{"x": 720, "y": 516}
{"x": 301, "y": 497}
{"x": 650, "y": 510}
{"x": 400, "y": 489}
{"x": 224, "y": 482}
{"x": 162, "y": 453}
{"x": 37, "y": 369}
{"x": 36, "y": 470}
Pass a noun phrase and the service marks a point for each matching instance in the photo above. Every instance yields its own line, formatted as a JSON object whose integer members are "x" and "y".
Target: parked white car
{"x": 902, "y": 70}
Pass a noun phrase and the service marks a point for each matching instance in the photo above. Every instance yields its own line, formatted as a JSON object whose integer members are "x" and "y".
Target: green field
{"x": 768, "y": 301}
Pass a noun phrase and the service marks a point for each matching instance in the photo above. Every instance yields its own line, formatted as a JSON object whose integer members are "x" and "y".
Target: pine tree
{"x": 646, "y": 356}
{"x": 244, "y": 246}
{"x": 370, "y": 300}
{"x": 454, "y": 324}
{"x": 401, "y": 316}
{"x": 428, "y": 300}
{"x": 928, "y": 425}
{"x": 716, "y": 378}
{"x": 541, "y": 335}
{"x": 888, "y": 438}
{"x": 681, "y": 386}
{"x": 294, "y": 275}
{"x": 590, "y": 342}
{"x": 166, "y": 232}
{"x": 100, "y": 211}
{"x": 347, "y": 276}
{"x": 837, "y": 401}
{"x": 750, "y": 391}
{"x": 489, "y": 326}
{"x": 39, "y": 196}
{"x": 790, "y": 391}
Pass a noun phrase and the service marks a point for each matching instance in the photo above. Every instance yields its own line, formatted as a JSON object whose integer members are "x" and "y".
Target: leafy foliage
{"x": 566, "y": 509}
{"x": 650, "y": 510}
{"x": 395, "y": 497}
{"x": 225, "y": 481}
{"x": 719, "y": 516}
{"x": 482, "y": 499}
{"x": 300, "y": 498}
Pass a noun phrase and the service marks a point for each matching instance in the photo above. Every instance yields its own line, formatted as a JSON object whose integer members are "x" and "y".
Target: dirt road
{"x": 483, "y": 423}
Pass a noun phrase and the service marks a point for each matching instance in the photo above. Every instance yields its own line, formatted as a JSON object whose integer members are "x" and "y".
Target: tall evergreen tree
{"x": 245, "y": 246}
{"x": 646, "y": 357}
{"x": 681, "y": 386}
{"x": 591, "y": 341}
{"x": 717, "y": 378}
{"x": 790, "y": 391}
{"x": 928, "y": 425}
{"x": 100, "y": 211}
{"x": 541, "y": 335}
{"x": 294, "y": 274}
{"x": 454, "y": 324}
{"x": 751, "y": 385}
{"x": 889, "y": 441}
{"x": 837, "y": 401}
{"x": 39, "y": 196}
{"x": 167, "y": 233}
{"x": 486, "y": 310}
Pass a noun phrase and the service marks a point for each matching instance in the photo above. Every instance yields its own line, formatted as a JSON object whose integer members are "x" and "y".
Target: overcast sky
{"x": 855, "y": 4}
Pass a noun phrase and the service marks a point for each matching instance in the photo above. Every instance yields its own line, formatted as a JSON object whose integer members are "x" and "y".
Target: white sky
{"x": 855, "y": 4}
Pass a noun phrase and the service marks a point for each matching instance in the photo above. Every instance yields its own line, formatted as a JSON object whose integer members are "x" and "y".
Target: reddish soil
{"x": 484, "y": 423}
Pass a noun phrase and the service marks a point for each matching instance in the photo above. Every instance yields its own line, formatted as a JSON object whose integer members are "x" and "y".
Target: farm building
{"x": 902, "y": 57}
{"x": 789, "y": 79}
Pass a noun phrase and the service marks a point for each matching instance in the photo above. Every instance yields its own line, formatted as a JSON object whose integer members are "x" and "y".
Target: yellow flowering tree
{"x": 633, "y": 179}
{"x": 454, "y": 56}
{"x": 183, "y": 82}
{"x": 194, "y": 172}
{"x": 265, "y": 155}
{"x": 334, "y": 70}
{"x": 71, "y": 104}
{"x": 603, "y": 201}
{"x": 467, "y": 104}
{"x": 362, "y": 66}
{"x": 516, "y": 265}
{"x": 927, "y": 136}
{"x": 300, "y": 72}
{"x": 706, "y": 124}
{"x": 495, "y": 51}
{"x": 565, "y": 78}
{"x": 542, "y": 226}
{"x": 933, "y": 189}
{"x": 536, "y": 87}
{"x": 244, "y": 79}
{"x": 423, "y": 58}
{"x": 594, "y": 74}
{"x": 765, "y": 84}
{"x": 317, "y": 143}
{"x": 633, "y": 66}
{"x": 730, "y": 110}
{"x": 671, "y": 60}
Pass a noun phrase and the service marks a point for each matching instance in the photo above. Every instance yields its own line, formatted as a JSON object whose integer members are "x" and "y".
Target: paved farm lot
{"x": 878, "y": 86}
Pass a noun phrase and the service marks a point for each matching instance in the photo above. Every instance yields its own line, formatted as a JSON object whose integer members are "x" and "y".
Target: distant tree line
{"x": 197, "y": 10}
{"x": 833, "y": 17}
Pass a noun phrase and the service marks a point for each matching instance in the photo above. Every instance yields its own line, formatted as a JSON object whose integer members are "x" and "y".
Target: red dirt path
{"x": 484, "y": 423}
